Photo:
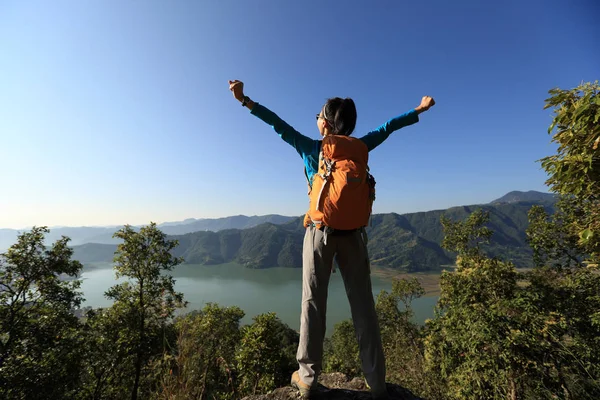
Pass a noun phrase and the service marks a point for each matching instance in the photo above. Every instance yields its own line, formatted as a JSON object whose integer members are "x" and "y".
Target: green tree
{"x": 265, "y": 355}
{"x": 498, "y": 333}
{"x": 401, "y": 336}
{"x": 108, "y": 356}
{"x": 142, "y": 309}
{"x": 487, "y": 338}
{"x": 466, "y": 237}
{"x": 575, "y": 169}
{"x": 340, "y": 352}
{"x": 550, "y": 236}
{"x": 566, "y": 244}
{"x": 502, "y": 334}
{"x": 202, "y": 366}
{"x": 39, "y": 340}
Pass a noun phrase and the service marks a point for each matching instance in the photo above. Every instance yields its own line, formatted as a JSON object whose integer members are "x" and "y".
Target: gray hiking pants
{"x": 350, "y": 250}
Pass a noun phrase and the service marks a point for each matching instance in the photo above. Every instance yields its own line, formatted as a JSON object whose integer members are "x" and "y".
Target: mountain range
{"x": 103, "y": 235}
{"x": 408, "y": 242}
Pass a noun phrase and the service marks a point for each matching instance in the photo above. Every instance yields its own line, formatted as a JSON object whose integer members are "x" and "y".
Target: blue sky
{"x": 117, "y": 112}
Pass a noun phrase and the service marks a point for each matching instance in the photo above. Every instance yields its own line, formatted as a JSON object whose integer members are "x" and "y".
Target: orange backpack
{"x": 343, "y": 191}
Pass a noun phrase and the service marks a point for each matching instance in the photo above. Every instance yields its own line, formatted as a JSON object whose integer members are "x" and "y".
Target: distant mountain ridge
{"x": 103, "y": 235}
{"x": 409, "y": 242}
{"x": 529, "y": 196}
{"x": 219, "y": 224}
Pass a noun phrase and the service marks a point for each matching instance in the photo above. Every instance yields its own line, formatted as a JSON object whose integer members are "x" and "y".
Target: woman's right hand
{"x": 426, "y": 103}
{"x": 237, "y": 88}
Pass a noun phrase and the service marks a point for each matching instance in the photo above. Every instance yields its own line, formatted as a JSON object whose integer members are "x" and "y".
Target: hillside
{"x": 103, "y": 235}
{"x": 220, "y": 224}
{"x": 409, "y": 242}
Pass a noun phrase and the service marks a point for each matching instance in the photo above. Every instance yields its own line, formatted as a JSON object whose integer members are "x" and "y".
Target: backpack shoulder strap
{"x": 307, "y": 181}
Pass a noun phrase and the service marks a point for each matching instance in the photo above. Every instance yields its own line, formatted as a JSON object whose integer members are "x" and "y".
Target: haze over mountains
{"x": 408, "y": 242}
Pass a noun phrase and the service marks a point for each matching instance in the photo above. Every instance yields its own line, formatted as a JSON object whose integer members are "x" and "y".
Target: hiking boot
{"x": 304, "y": 389}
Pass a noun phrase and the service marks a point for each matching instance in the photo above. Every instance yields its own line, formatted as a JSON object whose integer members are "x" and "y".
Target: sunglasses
{"x": 320, "y": 116}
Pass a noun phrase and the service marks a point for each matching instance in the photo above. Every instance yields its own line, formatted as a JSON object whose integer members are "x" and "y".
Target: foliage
{"x": 570, "y": 303}
{"x": 502, "y": 334}
{"x": 142, "y": 308}
{"x": 202, "y": 364}
{"x": 108, "y": 355}
{"x": 402, "y": 338}
{"x": 39, "y": 342}
{"x": 566, "y": 244}
{"x": 550, "y": 236}
{"x": 466, "y": 237}
{"x": 480, "y": 340}
{"x": 575, "y": 169}
{"x": 340, "y": 352}
{"x": 266, "y": 355}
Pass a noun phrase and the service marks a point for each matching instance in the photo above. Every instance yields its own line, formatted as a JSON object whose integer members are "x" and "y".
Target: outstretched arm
{"x": 376, "y": 137}
{"x": 301, "y": 143}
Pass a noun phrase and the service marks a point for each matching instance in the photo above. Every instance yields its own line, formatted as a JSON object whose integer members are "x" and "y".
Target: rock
{"x": 336, "y": 386}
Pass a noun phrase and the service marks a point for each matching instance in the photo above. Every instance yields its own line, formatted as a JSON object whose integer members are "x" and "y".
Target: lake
{"x": 255, "y": 291}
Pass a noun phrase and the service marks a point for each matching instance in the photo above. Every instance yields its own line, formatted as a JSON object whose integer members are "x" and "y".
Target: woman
{"x": 337, "y": 117}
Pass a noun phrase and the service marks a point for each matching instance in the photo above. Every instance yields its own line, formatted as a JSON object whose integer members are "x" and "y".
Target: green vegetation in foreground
{"x": 498, "y": 333}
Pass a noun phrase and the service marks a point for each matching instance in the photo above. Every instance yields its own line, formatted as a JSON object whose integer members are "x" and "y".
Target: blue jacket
{"x": 309, "y": 148}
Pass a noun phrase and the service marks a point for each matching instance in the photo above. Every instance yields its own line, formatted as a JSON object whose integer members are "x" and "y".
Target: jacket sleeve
{"x": 303, "y": 145}
{"x": 376, "y": 137}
